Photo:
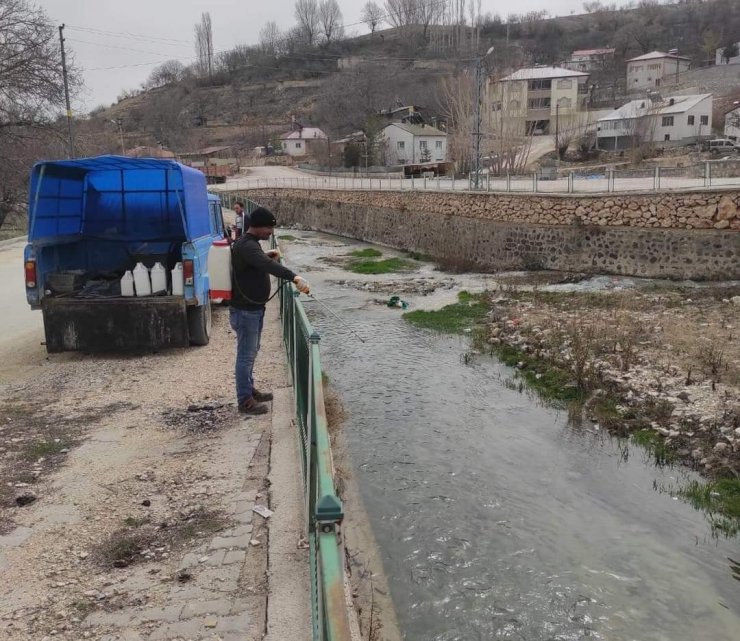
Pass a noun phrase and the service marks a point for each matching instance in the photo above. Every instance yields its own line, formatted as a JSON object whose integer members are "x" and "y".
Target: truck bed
{"x": 114, "y": 324}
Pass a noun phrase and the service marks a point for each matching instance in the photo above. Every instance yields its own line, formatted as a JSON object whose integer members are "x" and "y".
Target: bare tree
{"x": 372, "y": 15}
{"x": 204, "y": 44}
{"x": 307, "y": 14}
{"x": 330, "y": 19}
{"x": 271, "y": 39}
{"x": 166, "y": 73}
{"x": 31, "y": 93}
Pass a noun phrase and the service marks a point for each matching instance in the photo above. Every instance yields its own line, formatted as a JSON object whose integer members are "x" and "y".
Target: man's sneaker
{"x": 250, "y": 406}
{"x": 261, "y": 397}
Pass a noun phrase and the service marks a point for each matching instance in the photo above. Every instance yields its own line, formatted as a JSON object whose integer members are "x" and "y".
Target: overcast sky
{"x": 118, "y": 42}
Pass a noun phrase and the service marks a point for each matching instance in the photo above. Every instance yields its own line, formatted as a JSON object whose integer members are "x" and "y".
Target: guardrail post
{"x": 534, "y": 182}
{"x": 488, "y": 182}
{"x": 707, "y": 174}
{"x": 610, "y": 181}
{"x": 656, "y": 179}
{"x": 453, "y": 182}
{"x": 570, "y": 182}
{"x": 438, "y": 182}
{"x": 425, "y": 183}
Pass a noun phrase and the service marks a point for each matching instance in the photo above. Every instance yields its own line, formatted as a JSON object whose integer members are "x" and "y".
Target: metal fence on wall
{"x": 323, "y": 508}
{"x": 711, "y": 174}
{"x": 324, "y": 512}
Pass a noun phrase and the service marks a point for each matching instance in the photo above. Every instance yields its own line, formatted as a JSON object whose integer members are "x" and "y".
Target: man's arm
{"x": 253, "y": 255}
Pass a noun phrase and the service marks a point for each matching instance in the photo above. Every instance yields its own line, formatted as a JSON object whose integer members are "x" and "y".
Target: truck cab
{"x": 93, "y": 219}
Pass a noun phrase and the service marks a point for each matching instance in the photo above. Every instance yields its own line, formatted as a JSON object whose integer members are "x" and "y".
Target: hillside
{"x": 253, "y": 96}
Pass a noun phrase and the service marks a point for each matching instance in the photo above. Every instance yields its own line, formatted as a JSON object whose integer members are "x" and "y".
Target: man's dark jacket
{"x": 251, "y": 269}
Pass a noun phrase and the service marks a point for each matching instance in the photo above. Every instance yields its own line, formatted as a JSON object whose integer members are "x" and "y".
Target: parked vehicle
{"x": 93, "y": 220}
{"x": 722, "y": 146}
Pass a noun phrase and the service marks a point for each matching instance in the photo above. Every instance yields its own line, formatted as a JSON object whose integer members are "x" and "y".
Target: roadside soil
{"x": 112, "y": 469}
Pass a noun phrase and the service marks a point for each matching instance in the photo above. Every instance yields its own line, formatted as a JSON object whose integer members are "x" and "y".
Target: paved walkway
{"x": 132, "y": 469}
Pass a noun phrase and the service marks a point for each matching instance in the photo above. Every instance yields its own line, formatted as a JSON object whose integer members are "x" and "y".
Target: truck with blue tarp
{"x": 93, "y": 219}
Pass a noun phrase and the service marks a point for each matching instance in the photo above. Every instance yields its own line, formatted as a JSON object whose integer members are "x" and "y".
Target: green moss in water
{"x": 368, "y": 252}
{"x": 387, "y": 266}
{"x": 452, "y": 319}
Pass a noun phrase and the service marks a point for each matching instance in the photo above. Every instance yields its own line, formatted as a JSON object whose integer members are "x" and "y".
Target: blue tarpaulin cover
{"x": 119, "y": 198}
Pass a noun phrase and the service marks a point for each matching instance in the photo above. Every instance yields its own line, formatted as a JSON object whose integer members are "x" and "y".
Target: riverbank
{"x": 654, "y": 362}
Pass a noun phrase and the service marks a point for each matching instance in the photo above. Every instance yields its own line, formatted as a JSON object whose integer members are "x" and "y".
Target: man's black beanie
{"x": 262, "y": 217}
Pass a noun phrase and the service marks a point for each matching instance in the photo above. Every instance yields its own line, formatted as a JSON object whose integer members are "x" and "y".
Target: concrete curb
{"x": 288, "y": 608}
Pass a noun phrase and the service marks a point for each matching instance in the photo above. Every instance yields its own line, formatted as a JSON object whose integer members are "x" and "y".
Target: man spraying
{"x": 252, "y": 268}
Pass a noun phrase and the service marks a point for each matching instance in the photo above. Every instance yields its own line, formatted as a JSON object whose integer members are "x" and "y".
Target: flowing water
{"x": 495, "y": 517}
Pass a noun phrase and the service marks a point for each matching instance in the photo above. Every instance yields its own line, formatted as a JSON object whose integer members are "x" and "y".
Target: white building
{"x": 655, "y": 69}
{"x": 531, "y": 99}
{"x": 412, "y": 144}
{"x": 589, "y": 59}
{"x": 304, "y": 141}
{"x": 732, "y": 124}
{"x": 719, "y": 56}
{"x": 676, "y": 119}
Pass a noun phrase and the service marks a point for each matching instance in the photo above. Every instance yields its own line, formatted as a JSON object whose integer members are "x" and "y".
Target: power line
{"x": 111, "y": 46}
{"x": 136, "y": 36}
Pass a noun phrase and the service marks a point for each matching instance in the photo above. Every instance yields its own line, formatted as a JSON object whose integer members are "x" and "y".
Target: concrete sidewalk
{"x": 246, "y": 580}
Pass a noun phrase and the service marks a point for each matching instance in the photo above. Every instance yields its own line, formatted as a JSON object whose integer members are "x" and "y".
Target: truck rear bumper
{"x": 114, "y": 325}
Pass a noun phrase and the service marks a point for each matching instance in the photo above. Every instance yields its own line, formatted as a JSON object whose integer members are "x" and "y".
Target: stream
{"x": 496, "y": 518}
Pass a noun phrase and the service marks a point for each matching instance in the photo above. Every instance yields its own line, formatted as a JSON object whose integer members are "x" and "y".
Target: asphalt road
{"x": 287, "y": 177}
{"x": 17, "y": 317}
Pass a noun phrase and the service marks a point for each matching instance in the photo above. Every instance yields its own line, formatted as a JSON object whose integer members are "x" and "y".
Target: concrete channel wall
{"x": 682, "y": 235}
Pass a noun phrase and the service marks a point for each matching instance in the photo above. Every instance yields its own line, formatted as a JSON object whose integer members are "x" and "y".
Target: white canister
{"x": 159, "y": 278}
{"x": 178, "y": 281}
{"x": 127, "y": 284}
{"x": 141, "y": 280}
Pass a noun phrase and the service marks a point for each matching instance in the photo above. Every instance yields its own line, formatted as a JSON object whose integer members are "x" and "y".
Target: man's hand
{"x": 274, "y": 254}
{"x": 302, "y": 285}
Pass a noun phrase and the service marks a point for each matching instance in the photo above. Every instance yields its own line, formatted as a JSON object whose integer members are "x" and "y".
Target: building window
{"x": 438, "y": 144}
{"x": 565, "y": 103}
{"x": 514, "y": 105}
{"x": 496, "y": 106}
{"x": 691, "y": 120}
{"x": 565, "y": 83}
{"x": 704, "y": 120}
{"x": 667, "y": 121}
{"x": 537, "y": 85}
{"x": 401, "y": 144}
{"x": 539, "y": 103}
{"x": 298, "y": 145}
{"x": 422, "y": 144}
{"x": 667, "y": 137}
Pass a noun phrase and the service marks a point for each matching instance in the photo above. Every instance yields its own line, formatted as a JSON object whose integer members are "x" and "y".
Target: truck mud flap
{"x": 114, "y": 325}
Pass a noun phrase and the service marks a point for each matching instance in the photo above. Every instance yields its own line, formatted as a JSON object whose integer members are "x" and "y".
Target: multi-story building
{"x": 590, "y": 60}
{"x": 530, "y": 100}
{"x": 655, "y": 69}
{"x": 303, "y": 141}
{"x": 676, "y": 119}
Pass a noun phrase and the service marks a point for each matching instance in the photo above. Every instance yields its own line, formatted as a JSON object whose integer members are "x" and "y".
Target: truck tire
{"x": 199, "y": 324}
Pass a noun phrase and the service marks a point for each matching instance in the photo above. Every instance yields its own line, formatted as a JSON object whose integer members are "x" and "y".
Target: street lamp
{"x": 478, "y": 115}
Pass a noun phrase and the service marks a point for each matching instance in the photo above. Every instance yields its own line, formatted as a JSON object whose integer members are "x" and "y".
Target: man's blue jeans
{"x": 248, "y": 327}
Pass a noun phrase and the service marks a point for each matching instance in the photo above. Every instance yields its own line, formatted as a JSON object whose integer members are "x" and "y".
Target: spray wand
{"x": 339, "y": 318}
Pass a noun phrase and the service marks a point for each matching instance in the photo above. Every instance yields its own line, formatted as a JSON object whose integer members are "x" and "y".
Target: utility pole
{"x": 478, "y": 116}
{"x": 71, "y": 142}
{"x": 557, "y": 128}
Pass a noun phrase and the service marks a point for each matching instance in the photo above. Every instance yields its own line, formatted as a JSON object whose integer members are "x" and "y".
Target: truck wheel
{"x": 199, "y": 324}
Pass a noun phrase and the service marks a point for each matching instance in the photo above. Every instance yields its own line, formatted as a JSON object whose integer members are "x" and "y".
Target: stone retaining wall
{"x": 606, "y": 234}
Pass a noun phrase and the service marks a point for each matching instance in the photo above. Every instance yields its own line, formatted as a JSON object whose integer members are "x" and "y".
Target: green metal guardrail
{"x": 324, "y": 512}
